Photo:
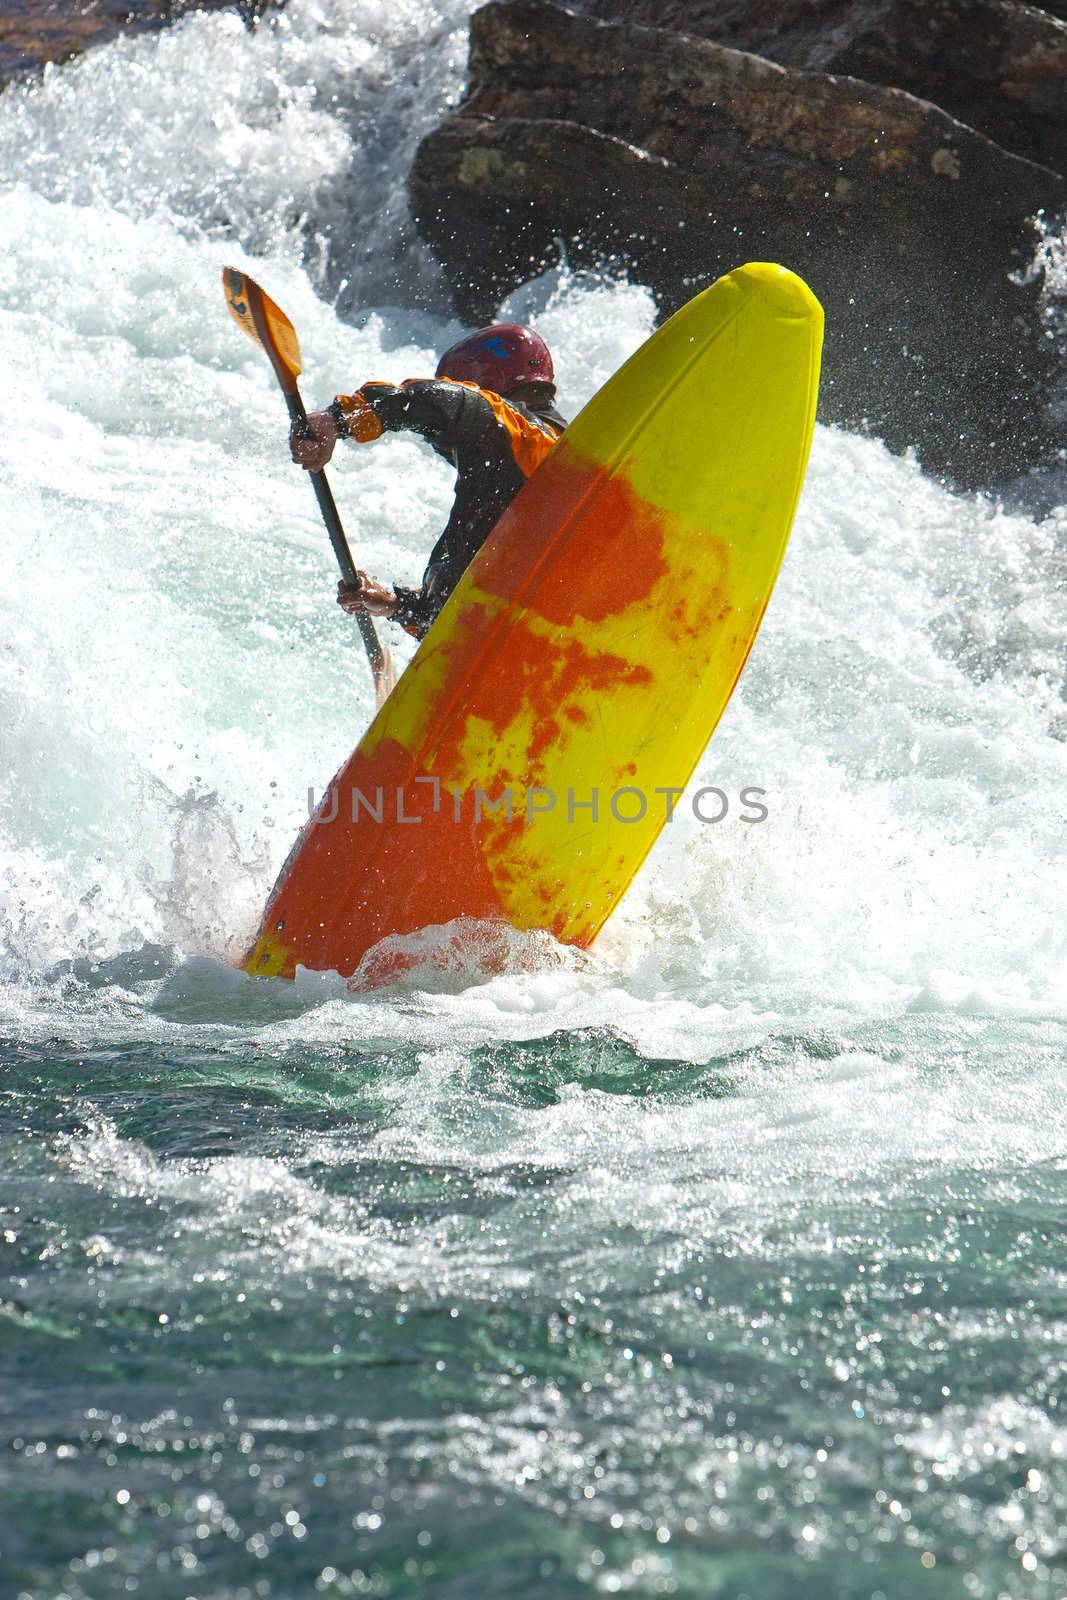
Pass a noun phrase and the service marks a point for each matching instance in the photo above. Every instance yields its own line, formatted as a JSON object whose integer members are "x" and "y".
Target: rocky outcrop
{"x": 676, "y": 157}
{"x": 997, "y": 65}
{"x": 39, "y": 31}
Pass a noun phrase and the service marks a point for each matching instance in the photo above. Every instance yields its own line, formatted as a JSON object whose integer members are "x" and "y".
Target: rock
{"x": 39, "y": 31}
{"x": 999, "y": 66}
{"x": 676, "y": 158}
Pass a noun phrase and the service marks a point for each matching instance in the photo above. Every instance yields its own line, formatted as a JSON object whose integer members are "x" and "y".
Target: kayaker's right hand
{"x": 367, "y": 595}
{"x": 313, "y": 447}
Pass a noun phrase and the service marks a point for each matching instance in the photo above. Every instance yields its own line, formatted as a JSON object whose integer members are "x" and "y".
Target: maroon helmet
{"x": 498, "y": 358}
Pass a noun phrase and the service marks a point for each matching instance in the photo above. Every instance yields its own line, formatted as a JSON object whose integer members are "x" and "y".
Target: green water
{"x": 537, "y": 1317}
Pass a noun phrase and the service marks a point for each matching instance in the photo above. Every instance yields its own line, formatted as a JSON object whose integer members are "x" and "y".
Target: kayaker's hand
{"x": 368, "y": 595}
{"x": 312, "y": 453}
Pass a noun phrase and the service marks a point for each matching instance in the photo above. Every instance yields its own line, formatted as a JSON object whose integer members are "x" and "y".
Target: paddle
{"x": 267, "y": 325}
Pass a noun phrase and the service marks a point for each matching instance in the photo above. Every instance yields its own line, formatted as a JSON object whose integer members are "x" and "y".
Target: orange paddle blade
{"x": 265, "y": 324}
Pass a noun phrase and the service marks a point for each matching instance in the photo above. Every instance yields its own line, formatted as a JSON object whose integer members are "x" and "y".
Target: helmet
{"x": 499, "y": 358}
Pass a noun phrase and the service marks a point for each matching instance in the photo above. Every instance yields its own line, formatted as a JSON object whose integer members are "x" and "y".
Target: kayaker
{"x": 490, "y": 411}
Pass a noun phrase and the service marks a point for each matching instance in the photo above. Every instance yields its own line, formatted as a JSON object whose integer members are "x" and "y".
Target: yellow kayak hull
{"x": 522, "y": 767}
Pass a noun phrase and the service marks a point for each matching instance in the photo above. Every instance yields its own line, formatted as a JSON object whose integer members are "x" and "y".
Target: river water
{"x": 724, "y": 1261}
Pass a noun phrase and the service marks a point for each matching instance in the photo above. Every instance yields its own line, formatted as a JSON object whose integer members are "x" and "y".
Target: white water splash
{"x": 172, "y": 658}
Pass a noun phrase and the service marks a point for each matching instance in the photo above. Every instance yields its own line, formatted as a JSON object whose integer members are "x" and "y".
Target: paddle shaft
{"x": 331, "y": 517}
{"x": 323, "y": 493}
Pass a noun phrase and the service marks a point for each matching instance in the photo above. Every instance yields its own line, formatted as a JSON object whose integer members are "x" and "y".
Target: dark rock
{"x": 677, "y": 158}
{"x": 35, "y": 32}
{"x": 997, "y": 65}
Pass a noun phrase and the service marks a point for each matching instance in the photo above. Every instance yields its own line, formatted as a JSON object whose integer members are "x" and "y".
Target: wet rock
{"x": 997, "y": 65}
{"x": 676, "y": 158}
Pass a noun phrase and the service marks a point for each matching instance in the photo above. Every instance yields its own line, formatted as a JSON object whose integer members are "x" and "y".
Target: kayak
{"x": 524, "y": 764}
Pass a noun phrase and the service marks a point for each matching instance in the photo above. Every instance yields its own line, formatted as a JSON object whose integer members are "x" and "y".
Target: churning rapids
{"x": 726, "y": 1261}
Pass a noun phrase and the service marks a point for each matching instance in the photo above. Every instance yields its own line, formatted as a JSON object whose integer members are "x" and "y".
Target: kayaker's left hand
{"x": 311, "y": 449}
{"x": 368, "y": 595}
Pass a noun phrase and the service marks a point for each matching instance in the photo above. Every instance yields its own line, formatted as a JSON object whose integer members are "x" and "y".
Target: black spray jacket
{"x": 494, "y": 445}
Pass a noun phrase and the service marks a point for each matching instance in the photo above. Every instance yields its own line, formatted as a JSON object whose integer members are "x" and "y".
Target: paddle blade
{"x": 385, "y": 675}
{"x": 265, "y": 324}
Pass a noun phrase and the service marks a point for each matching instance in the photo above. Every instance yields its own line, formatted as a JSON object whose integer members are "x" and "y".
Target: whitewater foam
{"x": 176, "y": 677}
